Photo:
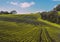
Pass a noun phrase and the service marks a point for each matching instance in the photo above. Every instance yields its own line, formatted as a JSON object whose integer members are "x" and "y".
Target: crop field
{"x": 28, "y": 28}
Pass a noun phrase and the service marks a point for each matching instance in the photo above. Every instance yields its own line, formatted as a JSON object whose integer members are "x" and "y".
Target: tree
{"x": 4, "y": 12}
{"x": 57, "y": 8}
{"x": 44, "y": 15}
{"x": 13, "y": 12}
{"x": 52, "y": 16}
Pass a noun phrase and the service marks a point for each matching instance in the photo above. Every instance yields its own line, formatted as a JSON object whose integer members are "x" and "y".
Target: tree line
{"x": 53, "y": 15}
{"x": 6, "y": 12}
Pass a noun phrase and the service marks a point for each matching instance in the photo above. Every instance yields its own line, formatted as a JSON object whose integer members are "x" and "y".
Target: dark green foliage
{"x": 52, "y": 16}
{"x": 44, "y": 15}
{"x": 6, "y": 12}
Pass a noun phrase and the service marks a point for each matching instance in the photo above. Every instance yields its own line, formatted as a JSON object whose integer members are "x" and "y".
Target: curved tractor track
{"x": 46, "y": 34}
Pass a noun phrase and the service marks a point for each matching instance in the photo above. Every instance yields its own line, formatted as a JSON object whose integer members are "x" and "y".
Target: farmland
{"x": 28, "y": 28}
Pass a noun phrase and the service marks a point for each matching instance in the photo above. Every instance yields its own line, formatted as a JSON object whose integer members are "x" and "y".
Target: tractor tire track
{"x": 48, "y": 36}
{"x": 40, "y": 39}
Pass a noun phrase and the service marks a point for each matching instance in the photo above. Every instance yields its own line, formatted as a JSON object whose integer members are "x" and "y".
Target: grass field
{"x": 28, "y": 28}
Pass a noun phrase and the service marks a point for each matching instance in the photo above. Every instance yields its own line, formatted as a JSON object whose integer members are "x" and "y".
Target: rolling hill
{"x": 28, "y": 28}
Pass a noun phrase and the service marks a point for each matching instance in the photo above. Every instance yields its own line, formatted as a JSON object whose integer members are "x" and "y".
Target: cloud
{"x": 39, "y": 10}
{"x": 6, "y": 9}
{"x": 26, "y": 4}
{"x": 23, "y": 5}
{"x": 54, "y": 6}
{"x": 13, "y": 3}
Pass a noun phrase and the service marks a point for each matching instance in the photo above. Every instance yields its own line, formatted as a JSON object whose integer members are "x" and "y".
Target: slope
{"x": 27, "y": 28}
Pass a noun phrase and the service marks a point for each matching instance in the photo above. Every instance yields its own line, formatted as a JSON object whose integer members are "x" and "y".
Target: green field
{"x": 28, "y": 28}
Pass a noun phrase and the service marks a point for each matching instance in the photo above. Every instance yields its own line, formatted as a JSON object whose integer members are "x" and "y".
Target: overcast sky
{"x": 28, "y": 6}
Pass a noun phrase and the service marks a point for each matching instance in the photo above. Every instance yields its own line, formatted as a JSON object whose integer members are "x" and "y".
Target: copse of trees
{"x": 52, "y": 16}
{"x": 6, "y": 12}
{"x": 57, "y": 8}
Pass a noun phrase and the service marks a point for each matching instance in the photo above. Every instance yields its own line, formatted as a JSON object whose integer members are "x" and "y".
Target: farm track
{"x": 48, "y": 36}
{"x": 40, "y": 36}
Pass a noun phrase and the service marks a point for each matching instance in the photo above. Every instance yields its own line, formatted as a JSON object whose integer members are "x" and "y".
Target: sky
{"x": 28, "y": 6}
